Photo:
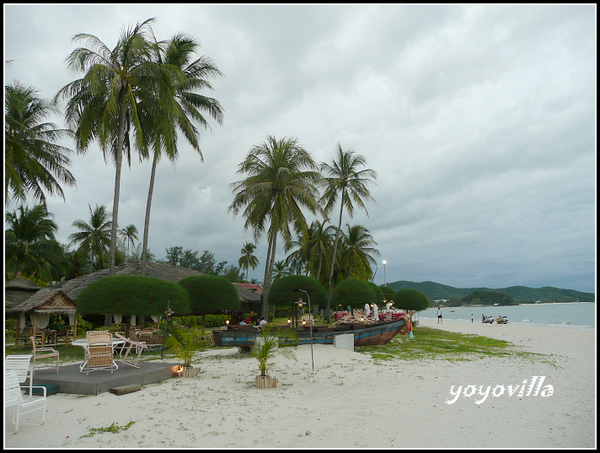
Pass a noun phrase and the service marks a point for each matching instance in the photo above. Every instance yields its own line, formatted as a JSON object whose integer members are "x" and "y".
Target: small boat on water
{"x": 378, "y": 333}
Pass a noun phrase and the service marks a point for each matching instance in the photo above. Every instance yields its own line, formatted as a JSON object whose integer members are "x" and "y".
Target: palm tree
{"x": 102, "y": 105}
{"x": 130, "y": 234}
{"x": 93, "y": 237}
{"x": 172, "y": 99}
{"x": 280, "y": 270}
{"x": 313, "y": 249}
{"x": 356, "y": 253}
{"x": 348, "y": 183}
{"x": 248, "y": 259}
{"x": 30, "y": 244}
{"x": 34, "y": 163}
{"x": 281, "y": 181}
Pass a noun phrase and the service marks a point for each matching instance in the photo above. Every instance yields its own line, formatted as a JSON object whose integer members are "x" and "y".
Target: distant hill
{"x": 521, "y": 294}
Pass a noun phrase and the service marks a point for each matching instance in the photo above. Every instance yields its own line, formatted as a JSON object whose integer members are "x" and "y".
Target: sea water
{"x": 578, "y": 315}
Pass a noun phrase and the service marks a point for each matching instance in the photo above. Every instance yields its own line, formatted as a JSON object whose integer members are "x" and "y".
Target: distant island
{"x": 485, "y": 296}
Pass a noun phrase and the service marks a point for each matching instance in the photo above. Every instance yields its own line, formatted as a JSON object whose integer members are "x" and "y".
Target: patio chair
{"x": 13, "y": 398}
{"x": 99, "y": 352}
{"x": 44, "y": 353}
{"x": 127, "y": 345}
{"x": 21, "y": 364}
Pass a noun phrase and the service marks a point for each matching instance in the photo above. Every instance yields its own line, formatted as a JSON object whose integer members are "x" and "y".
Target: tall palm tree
{"x": 282, "y": 180}
{"x": 93, "y": 237}
{"x": 172, "y": 98}
{"x": 130, "y": 235}
{"x": 34, "y": 163}
{"x": 345, "y": 181}
{"x": 248, "y": 259}
{"x": 102, "y": 105}
{"x": 356, "y": 252}
{"x": 30, "y": 243}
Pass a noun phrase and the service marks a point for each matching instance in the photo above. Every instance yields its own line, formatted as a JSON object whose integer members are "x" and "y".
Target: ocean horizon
{"x": 576, "y": 315}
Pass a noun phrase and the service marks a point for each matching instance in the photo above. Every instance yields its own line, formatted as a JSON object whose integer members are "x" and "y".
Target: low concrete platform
{"x": 70, "y": 380}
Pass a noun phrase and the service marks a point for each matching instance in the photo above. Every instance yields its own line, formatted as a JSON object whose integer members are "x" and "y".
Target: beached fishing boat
{"x": 364, "y": 334}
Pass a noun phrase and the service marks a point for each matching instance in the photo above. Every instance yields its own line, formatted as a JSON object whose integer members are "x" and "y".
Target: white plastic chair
{"x": 21, "y": 364}
{"x": 13, "y": 398}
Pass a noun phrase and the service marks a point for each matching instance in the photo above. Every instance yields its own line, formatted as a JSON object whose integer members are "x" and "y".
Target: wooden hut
{"x": 33, "y": 315}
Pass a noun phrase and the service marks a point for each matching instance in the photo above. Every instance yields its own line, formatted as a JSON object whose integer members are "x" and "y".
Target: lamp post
{"x": 384, "y": 279}
{"x": 310, "y": 329}
{"x": 169, "y": 314}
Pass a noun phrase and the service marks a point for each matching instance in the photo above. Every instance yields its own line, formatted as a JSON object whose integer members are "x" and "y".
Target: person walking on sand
{"x": 440, "y": 316}
{"x": 471, "y": 317}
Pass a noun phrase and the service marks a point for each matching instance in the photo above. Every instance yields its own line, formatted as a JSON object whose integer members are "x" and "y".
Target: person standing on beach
{"x": 440, "y": 315}
{"x": 471, "y": 317}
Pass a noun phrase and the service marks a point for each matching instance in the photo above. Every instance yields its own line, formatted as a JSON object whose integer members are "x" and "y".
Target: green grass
{"x": 429, "y": 343}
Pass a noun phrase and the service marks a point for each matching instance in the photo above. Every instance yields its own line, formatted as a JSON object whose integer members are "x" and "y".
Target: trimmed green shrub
{"x": 388, "y": 292}
{"x": 411, "y": 299}
{"x": 284, "y": 291}
{"x": 211, "y": 294}
{"x": 132, "y": 295}
{"x": 353, "y": 292}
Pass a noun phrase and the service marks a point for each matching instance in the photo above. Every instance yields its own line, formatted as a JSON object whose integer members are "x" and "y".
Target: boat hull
{"x": 364, "y": 334}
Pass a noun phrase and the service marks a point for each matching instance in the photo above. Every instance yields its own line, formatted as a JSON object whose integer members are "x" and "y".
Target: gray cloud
{"x": 479, "y": 120}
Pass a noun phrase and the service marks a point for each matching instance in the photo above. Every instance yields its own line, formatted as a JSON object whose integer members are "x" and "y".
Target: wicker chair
{"x": 99, "y": 351}
{"x": 127, "y": 345}
{"x": 44, "y": 353}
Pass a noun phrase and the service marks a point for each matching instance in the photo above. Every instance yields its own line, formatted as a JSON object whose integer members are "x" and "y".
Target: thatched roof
{"x": 17, "y": 291}
{"x": 46, "y": 300}
{"x": 157, "y": 270}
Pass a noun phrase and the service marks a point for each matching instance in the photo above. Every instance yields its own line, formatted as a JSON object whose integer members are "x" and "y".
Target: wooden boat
{"x": 364, "y": 334}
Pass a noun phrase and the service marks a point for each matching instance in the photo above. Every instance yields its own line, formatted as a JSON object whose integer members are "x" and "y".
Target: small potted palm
{"x": 266, "y": 348}
{"x": 184, "y": 343}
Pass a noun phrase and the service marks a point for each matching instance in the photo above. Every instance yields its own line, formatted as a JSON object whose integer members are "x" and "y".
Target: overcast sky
{"x": 480, "y": 121}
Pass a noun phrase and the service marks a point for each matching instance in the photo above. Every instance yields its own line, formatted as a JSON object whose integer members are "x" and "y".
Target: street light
{"x": 310, "y": 328}
{"x": 384, "y": 279}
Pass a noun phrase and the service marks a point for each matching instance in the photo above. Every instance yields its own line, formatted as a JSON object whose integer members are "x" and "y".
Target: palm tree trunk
{"x": 147, "y": 220}
{"x": 337, "y": 237}
{"x": 264, "y": 311}
{"x": 117, "y": 195}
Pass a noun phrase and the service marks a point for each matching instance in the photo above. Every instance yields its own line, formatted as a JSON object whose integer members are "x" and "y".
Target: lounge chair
{"x": 21, "y": 364}
{"x": 44, "y": 353}
{"x": 13, "y": 398}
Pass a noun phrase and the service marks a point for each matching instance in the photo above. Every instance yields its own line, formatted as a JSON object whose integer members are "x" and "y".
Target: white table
{"x": 83, "y": 343}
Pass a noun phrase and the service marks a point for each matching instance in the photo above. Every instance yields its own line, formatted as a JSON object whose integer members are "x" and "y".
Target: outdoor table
{"x": 83, "y": 343}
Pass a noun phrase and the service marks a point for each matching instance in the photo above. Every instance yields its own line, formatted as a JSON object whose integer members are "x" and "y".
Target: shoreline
{"x": 348, "y": 402}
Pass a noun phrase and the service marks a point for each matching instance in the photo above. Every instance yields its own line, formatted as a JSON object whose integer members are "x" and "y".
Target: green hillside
{"x": 522, "y": 294}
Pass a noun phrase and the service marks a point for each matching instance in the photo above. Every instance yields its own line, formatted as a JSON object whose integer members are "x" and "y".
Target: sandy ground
{"x": 349, "y": 401}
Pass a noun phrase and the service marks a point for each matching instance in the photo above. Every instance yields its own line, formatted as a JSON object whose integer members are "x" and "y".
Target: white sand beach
{"x": 348, "y": 402}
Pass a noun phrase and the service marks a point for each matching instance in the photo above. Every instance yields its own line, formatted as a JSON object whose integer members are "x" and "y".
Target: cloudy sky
{"x": 480, "y": 121}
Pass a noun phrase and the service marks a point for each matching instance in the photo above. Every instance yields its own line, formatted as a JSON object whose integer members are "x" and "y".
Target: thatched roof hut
{"x": 157, "y": 270}
{"x": 39, "y": 307}
{"x": 17, "y": 291}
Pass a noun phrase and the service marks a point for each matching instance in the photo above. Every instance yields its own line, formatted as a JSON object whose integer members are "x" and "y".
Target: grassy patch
{"x": 429, "y": 343}
{"x": 114, "y": 428}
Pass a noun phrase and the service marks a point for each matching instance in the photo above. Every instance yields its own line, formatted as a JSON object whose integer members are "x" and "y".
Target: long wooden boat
{"x": 364, "y": 334}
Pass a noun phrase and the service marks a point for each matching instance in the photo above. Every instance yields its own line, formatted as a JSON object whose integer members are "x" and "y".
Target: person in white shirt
{"x": 263, "y": 322}
{"x": 367, "y": 310}
{"x": 375, "y": 312}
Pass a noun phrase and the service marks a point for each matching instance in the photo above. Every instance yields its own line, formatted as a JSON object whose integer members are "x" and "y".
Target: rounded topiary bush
{"x": 211, "y": 294}
{"x": 285, "y": 291}
{"x": 132, "y": 295}
{"x": 411, "y": 299}
{"x": 353, "y": 292}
